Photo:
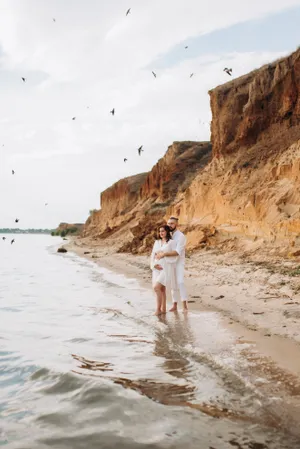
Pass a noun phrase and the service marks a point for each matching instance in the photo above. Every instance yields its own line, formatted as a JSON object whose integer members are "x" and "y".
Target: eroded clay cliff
{"x": 258, "y": 114}
{"x": 251, "y": 187}
{"x": 132, "y": 208}
{"x": 248, "y": 187}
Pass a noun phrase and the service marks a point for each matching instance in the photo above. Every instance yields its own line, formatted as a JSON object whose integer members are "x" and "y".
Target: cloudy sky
{"x": 93, "y": 58}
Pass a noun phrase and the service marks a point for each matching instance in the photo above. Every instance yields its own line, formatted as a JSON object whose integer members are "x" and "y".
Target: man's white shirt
{"x": 180, "y": 240}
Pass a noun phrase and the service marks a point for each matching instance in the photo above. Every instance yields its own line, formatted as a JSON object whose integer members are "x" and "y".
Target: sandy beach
{"x": 260, "y": 297}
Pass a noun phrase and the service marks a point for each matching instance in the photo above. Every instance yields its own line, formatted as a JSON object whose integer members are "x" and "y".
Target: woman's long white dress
{"x": 166, "y": 276}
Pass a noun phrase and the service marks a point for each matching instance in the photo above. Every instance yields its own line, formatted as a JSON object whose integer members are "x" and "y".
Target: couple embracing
{"x": 167, "y": 264}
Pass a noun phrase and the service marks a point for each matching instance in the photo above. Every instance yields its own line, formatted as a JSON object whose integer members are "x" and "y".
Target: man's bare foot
{"x": 173, "y": 308}
{"x": 157, "y": 313}
{"x": 184, "y": 306}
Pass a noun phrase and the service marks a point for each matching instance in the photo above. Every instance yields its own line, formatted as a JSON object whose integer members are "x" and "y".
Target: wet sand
{"x": 259, "y": 368}
{"x": 252, "y": 302}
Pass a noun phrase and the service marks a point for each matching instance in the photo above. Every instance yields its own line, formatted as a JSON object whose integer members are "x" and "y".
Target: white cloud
{"x": 93, "y": 56}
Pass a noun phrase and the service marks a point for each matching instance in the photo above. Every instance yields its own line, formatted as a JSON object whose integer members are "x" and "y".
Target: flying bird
{"x": 128, "y": 11}
{"x": 46, "y": 204}
{"x": 23, "y": 79}
{"x": 73, "y": 118}
{"x": 186, "y": 47}
{"x": 125, "y": 160}
{"x": 191, "y": 75}
{"x": 54, "y": 20}
{"x": 13, "y": 241}
{"x": 17, "y": 220}
{"x": 112, "y": 112}
{"x": 228, "y": 71}
{"x": 3, "y": 238}
{"x": 140, "y": 150}
{"x": 13, "y": 172}
{"x": 154, "y": 74}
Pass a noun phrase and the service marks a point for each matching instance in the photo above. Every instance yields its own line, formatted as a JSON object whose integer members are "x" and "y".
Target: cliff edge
{"x": 245, "y": 185}
{"x": 133, "y": 207}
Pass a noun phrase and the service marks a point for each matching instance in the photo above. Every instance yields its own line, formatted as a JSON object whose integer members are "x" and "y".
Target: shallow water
{"x": 85, "y": 364}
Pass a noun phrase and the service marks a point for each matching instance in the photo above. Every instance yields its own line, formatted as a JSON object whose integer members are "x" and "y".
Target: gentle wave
{"x": 83, "y": 363}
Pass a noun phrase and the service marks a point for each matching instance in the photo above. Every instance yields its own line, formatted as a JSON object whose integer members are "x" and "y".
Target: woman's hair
{"x": 167, "y": 229}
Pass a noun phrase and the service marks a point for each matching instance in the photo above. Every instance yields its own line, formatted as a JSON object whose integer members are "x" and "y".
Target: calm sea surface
{"x": 84, "y": 364}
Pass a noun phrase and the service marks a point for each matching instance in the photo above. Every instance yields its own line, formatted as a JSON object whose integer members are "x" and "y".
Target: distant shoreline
{"x": 26, "y": 231}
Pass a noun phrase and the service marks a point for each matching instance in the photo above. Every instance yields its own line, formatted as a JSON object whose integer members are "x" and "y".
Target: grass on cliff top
{"x": 73, "y": 230}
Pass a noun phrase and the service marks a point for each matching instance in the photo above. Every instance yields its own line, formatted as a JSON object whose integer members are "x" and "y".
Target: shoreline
{"x": 247, "y": 297}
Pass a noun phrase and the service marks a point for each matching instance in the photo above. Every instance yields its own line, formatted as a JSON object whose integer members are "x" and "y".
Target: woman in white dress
{"x": 163, "y": 270}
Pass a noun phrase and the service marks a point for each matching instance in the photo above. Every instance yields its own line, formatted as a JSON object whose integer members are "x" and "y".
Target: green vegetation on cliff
{"x": 65, "y": 232}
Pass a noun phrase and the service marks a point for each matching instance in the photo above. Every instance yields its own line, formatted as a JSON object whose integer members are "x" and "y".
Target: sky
{"x": 94, "y": 58}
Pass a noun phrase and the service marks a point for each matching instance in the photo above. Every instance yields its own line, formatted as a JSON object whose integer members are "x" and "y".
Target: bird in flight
{"x": 191, "y": 75}
{"x": 186, "y": 47}
{"x": 128, "y": 11}
{"x": 54, "y": 20}
{"x": 228, "y": 71}
{"x": 17, "y": 220}
{"x": 73, "y": 118}
{"x": 125, "y": 160}
{"x": 140, "y": 150}
{"x": 3, "y": 238}
{"x": 154, "y": 74}
{"x": 13, "y": 241}
{"x": 13, "y": 172}
{"x": 112, "y": 111}
{"x": 23, "y": 79}
{"x": 46, "y": 204}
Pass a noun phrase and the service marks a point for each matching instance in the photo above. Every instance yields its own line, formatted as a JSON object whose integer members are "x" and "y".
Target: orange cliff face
{"x": 116, "y": 202}
{"x": 175, "y": 170}
{"x": 249, "y": 186}
{"x": 133, "y": 207}
{"x": 122, "y": 196}
{"x": 252, "y": 186}
{"x": 259, "y": 113}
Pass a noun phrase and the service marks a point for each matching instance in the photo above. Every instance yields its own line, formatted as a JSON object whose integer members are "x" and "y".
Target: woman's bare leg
{"x": 163, "y": 307}
{"x": 158, "y": 292}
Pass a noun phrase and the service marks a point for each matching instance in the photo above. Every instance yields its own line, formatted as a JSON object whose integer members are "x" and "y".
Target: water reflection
{"x": 170, "y": 340}
{"x": 98, "y": 370}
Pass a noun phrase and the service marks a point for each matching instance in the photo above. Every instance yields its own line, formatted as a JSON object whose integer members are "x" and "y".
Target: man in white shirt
{"x": 180, "y": 240}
